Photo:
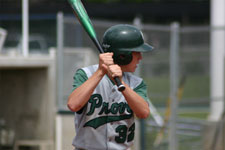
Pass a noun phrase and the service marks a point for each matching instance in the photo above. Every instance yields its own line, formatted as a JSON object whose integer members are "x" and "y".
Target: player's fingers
{"x": 115, "y": 71}
{"x": 106, "y": 58}
{"x": 106, "y": 54}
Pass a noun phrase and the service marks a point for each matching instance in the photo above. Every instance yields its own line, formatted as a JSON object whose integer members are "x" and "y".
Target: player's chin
{"x": 133, "y": 69}
{"x": 130, "y": 68}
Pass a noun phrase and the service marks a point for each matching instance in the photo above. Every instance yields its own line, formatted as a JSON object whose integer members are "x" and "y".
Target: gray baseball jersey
{"x": 106, "y": 122}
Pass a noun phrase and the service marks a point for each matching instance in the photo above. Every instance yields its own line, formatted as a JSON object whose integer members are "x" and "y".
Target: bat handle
{"x": 120, "y": 86}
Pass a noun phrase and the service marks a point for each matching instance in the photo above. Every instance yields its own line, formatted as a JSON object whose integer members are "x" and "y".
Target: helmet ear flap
{"x": 122, "y": 58}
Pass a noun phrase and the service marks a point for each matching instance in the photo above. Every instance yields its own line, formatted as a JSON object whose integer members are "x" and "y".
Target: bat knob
{"x": 121, "y": 88}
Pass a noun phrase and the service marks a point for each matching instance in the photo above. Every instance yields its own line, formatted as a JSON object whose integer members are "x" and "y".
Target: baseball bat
{"x": 85, "y": 21}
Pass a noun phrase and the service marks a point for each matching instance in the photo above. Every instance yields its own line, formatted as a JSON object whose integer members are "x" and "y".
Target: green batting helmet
{"x": 122, "y": 40}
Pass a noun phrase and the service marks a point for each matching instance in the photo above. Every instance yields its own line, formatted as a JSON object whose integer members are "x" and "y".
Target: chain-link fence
{"x": 193, "y": 85}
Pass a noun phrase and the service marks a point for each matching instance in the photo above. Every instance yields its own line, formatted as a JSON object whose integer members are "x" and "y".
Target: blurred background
{"x": 42, "y": 45}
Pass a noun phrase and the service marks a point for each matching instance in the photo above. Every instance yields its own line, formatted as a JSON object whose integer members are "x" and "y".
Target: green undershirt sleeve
{"x": 79, "y": 78}
{"x": 141, "y": 90}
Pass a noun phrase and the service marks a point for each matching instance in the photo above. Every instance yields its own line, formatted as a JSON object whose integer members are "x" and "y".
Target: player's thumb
{"x": 104, "y": 67}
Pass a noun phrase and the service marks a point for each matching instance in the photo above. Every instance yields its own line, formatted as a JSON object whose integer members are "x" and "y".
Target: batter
{"x": 104, "y": 118}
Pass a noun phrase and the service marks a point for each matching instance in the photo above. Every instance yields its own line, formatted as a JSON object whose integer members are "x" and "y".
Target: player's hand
{"x": 115, "y": 71}
{"x": 105, "y": 60}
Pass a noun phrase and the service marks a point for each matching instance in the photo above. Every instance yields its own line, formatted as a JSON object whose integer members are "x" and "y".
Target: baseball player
{"x": 104, "y": 118}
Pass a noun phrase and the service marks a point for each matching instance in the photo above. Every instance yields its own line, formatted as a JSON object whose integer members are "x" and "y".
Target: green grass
{"x": 195, "y": 86}
{"x": 194, "y": 114}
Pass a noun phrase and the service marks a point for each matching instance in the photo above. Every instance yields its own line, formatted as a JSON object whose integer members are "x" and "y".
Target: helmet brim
{"x": 142, "y": 48}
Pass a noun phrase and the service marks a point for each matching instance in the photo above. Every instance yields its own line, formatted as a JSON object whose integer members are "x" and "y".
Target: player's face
{"x": 131, "y": 67}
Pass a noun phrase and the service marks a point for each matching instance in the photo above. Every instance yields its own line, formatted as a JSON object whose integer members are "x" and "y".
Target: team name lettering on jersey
{"x": 97, "y": 103}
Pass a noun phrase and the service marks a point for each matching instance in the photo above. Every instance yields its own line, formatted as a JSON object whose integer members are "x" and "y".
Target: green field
{"x": 195, "y": 87}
